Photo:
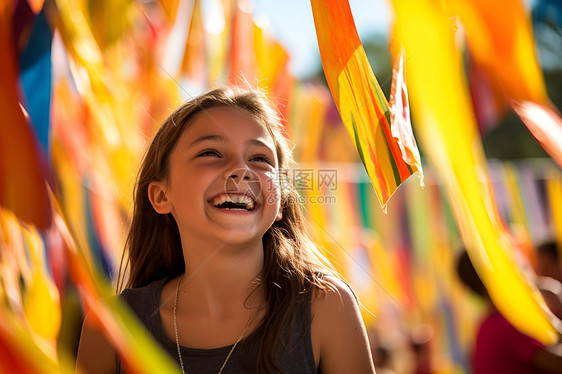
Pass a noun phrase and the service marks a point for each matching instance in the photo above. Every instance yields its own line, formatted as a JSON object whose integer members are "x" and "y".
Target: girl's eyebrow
{"x": 203, "y": 138}
{"x": 223, "y": 139}
{"x": 258, "y": 142}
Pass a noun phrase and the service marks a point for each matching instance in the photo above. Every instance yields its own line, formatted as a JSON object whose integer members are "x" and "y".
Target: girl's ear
{"x": 158, "y": 198}
{"x": 279, "y": 216}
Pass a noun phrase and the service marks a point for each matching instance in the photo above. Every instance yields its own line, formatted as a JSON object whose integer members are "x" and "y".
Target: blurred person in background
{"x": 550, "y": 276}
{"x": 548, "y": 261}
{"x": 382, "y": 359}
{"x": 420, "y": 342}
{"x": 382, "y": 354}
{"x": 499, "y": 347}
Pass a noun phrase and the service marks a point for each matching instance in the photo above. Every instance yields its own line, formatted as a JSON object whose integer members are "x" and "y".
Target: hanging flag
{"x": 544, "y": 122}
{"x": 137, "y": 349}
{"x": 194, "y": 64}
{"x": 71, "y": 21}
{"x": 22, "y": 169}
{"x": 19, "y": 352}
{"x": 272, "y": 72}
{"x": 447, "y": 126}
{"x": 217, "y": 23}
{"x": 500, "y": 38}
{"x": 270, "y": 57}
{"x": 554, "y": 193}
{"x": 310, "y": 106}
{"x": 399, "y": 107}
{"x": 519, "y": 222}
{"x": 35, "y": 68}
{"x": 534, "y": 204}
{"x": 175, "y": 48}
{"x": 241, "y": 55}
{"x": 362, "y": 105}
{"x": 110, "y": 21}
{"x": 36, "y": 5}
{"x": 488, "y": 98}
{"x": 41, "y": 297}
{"x": 170, "y": 8}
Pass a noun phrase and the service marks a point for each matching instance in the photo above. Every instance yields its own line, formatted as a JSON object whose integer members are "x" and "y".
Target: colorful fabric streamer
{"x": 447, "y": 126}
{"x": 500, "y": 39}
{"x": 138, "y": 351}
{"x": 23, "y": 172}
{"x": 35, "y": 68}
{"x": 242, "y": 58}
{"x": 388, "y": 155}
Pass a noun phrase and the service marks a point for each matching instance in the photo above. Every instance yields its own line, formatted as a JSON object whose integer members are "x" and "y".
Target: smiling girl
{"x": 218, "y": 264}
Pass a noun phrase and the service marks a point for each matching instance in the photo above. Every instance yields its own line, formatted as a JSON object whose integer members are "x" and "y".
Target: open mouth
{"x": 231, "y": 201}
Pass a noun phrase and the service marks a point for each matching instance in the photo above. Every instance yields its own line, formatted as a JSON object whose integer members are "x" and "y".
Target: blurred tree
{"x": 509, "y": 138}
{"x": 376, "y": 48}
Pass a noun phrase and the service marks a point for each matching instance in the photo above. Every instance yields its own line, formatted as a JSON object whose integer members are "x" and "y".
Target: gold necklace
{"x": 176, "y": 331}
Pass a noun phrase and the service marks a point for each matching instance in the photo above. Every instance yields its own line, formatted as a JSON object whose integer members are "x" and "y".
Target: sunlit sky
{"x": 292, "y": 24}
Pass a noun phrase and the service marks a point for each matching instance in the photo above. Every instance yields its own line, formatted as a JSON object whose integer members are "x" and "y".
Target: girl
{"x": 220, "y": 268}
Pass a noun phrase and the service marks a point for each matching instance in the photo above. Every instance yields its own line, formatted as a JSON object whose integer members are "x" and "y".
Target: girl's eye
{"x": 261, "y": 159}
{"x": 209, "y": 153}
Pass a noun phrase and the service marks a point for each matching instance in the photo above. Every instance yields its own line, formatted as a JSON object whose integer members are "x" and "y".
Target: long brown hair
{"x": 293, "y": 266}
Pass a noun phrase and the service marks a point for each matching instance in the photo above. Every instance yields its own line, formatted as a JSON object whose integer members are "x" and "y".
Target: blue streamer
{"x": 35, "y": 67}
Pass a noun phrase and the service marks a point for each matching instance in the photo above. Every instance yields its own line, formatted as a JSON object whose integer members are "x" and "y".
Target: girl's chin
{"x": 239, "y": 235}
{"x": 238, "y": 241}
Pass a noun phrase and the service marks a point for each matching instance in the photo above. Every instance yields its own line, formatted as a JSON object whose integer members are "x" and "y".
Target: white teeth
{"x": 234, "y": 198}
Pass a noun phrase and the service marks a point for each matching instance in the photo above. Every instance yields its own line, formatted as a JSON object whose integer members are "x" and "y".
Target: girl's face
{"x": 222, "y": 182}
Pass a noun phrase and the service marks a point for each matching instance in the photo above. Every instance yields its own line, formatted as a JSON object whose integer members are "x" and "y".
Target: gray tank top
{"x": 295, "y": 357}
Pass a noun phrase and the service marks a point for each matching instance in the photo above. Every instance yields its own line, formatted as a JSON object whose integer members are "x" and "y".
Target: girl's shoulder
{"x": 338, "y": 333}
{"x": 336, "y": 296}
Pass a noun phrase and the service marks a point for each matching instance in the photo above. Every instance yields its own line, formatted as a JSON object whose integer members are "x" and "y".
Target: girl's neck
{"x": 220, "y": 281}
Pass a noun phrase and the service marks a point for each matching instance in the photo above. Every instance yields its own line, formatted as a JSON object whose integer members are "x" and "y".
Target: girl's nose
{"x": 239, "y": 174}
{"x": 238, "y": 170}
